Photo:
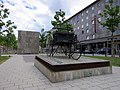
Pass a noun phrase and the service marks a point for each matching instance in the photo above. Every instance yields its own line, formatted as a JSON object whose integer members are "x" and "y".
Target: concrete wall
{"x": 28, "y": 42}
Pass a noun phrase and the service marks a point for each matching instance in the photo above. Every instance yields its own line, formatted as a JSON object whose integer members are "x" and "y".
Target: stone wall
{"x": 28, "y": 42}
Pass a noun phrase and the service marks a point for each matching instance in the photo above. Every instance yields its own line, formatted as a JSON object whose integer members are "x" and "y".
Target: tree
{"x": 5, "y": 25}
{"x": 7, "y": 36}
{"x": 60, "y": 23}
{"x": 42, "y": 39}
{"x": 112, "y": 20}
{"x": 11, "y": 41}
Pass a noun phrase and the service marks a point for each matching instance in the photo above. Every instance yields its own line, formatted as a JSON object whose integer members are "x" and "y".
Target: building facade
{"x": 90, "y": 33}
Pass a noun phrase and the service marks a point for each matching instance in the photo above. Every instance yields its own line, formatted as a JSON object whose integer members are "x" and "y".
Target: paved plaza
{"x": 19, "y": 73}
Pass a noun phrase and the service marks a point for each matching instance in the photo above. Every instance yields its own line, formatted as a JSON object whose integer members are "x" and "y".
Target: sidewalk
{"x": 19, "y": 73}
{"x": 99, "y": 55}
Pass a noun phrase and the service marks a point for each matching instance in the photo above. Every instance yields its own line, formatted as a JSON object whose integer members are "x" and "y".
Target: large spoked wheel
{"x": 51, "y": 50}
{"x": 48, "y": 50}
{"x": 76, "y": 50}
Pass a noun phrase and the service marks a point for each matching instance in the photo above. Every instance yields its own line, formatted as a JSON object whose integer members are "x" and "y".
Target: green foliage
{"x": 3, "y": 59}
{"x": 2, "y": 40}
{"x": 49, "y": 37}
{"x": 60, "y": 23}
{"x": 7, "y": 37}
{"x": 11, "y": 41}
{"x": 5, "y": 24}
{"x": 111, "y": 16}
{"x": 43, "y": 38}
{"x": 115, "y": 61}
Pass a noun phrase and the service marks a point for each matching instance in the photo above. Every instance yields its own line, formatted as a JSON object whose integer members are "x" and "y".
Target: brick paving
{"x": 17, "y": 74}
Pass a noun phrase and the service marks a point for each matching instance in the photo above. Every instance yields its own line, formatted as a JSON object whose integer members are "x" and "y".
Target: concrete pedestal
{"x": 57, "y": 70}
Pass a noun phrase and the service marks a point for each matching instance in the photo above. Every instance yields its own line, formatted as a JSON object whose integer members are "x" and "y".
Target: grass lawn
{"x": 3, "y": 59}
{"x": 115, "y": 61}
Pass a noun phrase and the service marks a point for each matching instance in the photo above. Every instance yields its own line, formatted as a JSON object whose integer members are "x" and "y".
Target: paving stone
{"x": 12, "y": 88}
{"x": 39, "y": 84}
{"x": 95, "y": 84}
{"x": 31, "y": 88}
{"x": 6, "y": 85}
{"x": 52, "y": 88}
{"x": 94, "y": 88}
{"x": 20, "y": 83}
{"x": 33, "y": 82}
{"x": 26, "y": 86}
{"x": 74, "y": 88}
{"x": 113, "y": 84}
{"x": 107, "y": 89}
{"x": 76, "y": 84}
{"x": 105, "y": 85}
{"x": 64, "y": 87}
{"x": 115, "y": 88}
{"x": 44, "y": 86}
{"x": 85, "y": 86}
{"x": 56, "y": 84}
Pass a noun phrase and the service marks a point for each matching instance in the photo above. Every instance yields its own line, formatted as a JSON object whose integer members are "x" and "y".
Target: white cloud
{"x": 78, "y": 5}
{"x": 32, "y": 14}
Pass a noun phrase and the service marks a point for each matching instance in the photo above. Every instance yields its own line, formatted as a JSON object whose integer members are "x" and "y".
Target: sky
{"x": 33, "y": 15}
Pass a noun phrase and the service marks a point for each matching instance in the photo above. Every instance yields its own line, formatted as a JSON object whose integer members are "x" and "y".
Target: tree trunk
{"x": 0, "y": 51}
{"x": 112, "y": 46}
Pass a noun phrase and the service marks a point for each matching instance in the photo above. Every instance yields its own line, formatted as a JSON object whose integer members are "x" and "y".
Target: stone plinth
{"x": 57, "y": 70}
{"x": 28, "y": 42}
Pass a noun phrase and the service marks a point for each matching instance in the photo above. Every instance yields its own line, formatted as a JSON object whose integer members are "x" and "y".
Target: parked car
{"x": 104, "y": 51}
{"x": 88, "y": 52}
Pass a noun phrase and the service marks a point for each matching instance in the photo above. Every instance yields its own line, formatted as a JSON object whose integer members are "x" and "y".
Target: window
{"x": 82, "y": 20}
{"x": 99, "y": 19}
{"x": 93, "y": 15}
{"x": 74, "y": 23}
{"x": 87, "y": 30}
{"x": 108, "y": 16}
{"x": 99, "y": 11}
{"x": 82, "y": 14}
{"x": 86, "y": 24}
{"x": 87, "y": 37}
{"x": 93, "y": 36}
{"x": 92, "y": 8}
{"x": 92, "y": 21}
{"x": 116, "y": 2}
{"x": 82, "y": 26}
{"x": 87, "y": 17}
{"x": 74, "y": 29}
{"x": 78, "y": 16}
{"x": 106, "y": 0}
{"x": 82, "y": 32}
{"x": 99, "y": 4}
{"x": 87, "y": 11}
